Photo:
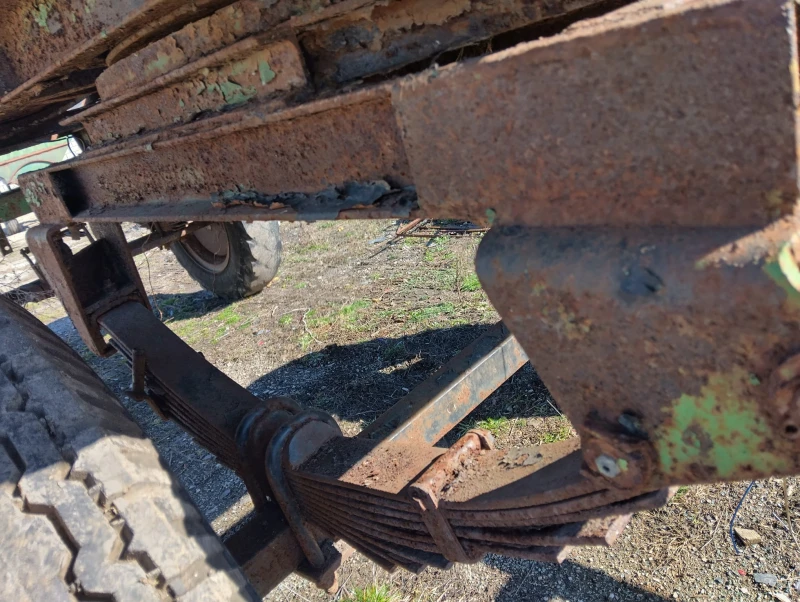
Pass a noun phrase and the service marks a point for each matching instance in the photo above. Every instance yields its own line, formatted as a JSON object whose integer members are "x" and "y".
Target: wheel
{"x": 232, "y": 260}
{"x": 13, "y": 227}
{"x": 87, "y": 510}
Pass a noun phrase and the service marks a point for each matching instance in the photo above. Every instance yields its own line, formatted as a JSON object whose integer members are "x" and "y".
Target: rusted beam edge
{"x": 437, "y": 405}
{"x": 586, "y": 128}
{"x": 91, "y": 47}
{"x": 228, "y": 54}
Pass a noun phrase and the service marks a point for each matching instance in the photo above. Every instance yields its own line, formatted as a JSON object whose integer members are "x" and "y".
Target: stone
{"x": 748, "y": 536}
{"x": 765, "y": 579}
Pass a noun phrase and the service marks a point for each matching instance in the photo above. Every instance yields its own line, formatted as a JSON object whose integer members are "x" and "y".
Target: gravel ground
{"x": 349, "y": 326}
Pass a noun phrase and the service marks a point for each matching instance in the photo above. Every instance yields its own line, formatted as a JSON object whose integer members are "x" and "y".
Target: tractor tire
{"x": 87, "y": 509}
{"x": 232, "y": 260}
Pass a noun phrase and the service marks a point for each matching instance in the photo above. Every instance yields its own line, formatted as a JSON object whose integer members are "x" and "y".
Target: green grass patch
{"x": 301, "y": 285}
{"x": 229, "y": 316}
{"x": 682, "y": 490}
{"x": 437, "y": 249}
{"x": 305, "y": 340}
{"x": 325, "y": 225}
{"x": 314, "y": 247}
{"x": 373, "y": 593}
{"x": 433, "y": 311}
{"x": 470, "y": 283}
{"x": 285, "y": 320}
{"x": 496, "y": 426}
{"x": 562, "y": 433}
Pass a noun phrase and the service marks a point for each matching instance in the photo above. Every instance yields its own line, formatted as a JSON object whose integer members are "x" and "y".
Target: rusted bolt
{"x": 607, "y": 466}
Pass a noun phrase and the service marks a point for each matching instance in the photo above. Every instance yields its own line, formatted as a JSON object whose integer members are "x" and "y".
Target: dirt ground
{"x": 349, "y": 326}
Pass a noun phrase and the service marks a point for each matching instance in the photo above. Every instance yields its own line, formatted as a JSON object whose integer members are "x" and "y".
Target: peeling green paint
{"x": 159, "y": 65}
{"x": 721, "y": 430}
{"x": 235, "y": 94}
{"x": 623, "y": 464}
{"x": 491, "y": 215}
{"x": 265, "y": 72}
{"x": 31, "y": 191}
{"x": 784, "y": 272}
{"x": 42, "y": 12}
{"x": 88, "y": 6}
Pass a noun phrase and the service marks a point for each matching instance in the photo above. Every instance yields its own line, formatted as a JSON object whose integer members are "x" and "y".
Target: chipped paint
{"x": 719, "y": 433}
{"x": 159, "y": 65}
{"x": 32, "y": 191}
{"x": 784, "y": 272}
{"x": 265, "y": 72}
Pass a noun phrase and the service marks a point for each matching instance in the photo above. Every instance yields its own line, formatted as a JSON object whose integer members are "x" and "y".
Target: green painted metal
{"x": 13, "y": 204}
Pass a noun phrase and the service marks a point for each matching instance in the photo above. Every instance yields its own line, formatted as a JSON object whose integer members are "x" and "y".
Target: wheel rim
{"x": 209, "y": 247}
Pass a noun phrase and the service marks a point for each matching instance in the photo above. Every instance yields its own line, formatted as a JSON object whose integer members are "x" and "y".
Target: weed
{"x": 229, "y": 316}
{"x": 305, "y": 341}
{"x": 426, "y": 313}
{"x": 325, "y": 225}
{"x": 314, "y": 247}
{"x": 285, "y": 319}
{"x": 470, "y": 283}
{"x": 495, "y": 426}
{"x": 437, "y": 249}
{"x": 301, "y": 285}
{"x": 373, "y": 593}
{"x": 682, "y": 490}
{"x": 563, "y": 432}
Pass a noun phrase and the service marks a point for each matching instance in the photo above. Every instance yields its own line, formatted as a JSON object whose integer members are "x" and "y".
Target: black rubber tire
{"x": 254, "y": 258}
{"x": 87, "y": 509}
{"x": 13, "y": 227}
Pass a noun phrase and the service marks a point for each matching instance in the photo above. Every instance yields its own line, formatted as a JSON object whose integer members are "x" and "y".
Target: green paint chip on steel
{"x": 623, "y": 464}
{"x": 265, "y": 72}
{"x": 235, "y": 94}
{"x": 720, "y": 429}
{"x": 784, "y": 272}
{"x": 491, "y": 215}
{"x": 159, "y": 65}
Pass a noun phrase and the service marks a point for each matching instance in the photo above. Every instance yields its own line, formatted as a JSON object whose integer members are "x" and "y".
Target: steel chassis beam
{"x": 640, "y": 172}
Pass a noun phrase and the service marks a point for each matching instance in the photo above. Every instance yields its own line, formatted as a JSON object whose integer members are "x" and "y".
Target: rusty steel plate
{"x": 672, "y": 337}
{"x": 659, "y": 114}
{"x": 655, "y": 116}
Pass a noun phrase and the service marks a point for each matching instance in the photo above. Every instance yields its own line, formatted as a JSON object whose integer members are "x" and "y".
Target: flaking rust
{"x": 271, "y": 72}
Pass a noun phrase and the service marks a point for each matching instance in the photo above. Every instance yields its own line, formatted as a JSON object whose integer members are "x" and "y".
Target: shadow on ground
{"x": 569, "y": 581}
{"x": 358, "y": 382}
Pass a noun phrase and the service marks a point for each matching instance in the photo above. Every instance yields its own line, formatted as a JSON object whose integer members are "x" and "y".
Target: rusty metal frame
{"x": 640, "y": 174}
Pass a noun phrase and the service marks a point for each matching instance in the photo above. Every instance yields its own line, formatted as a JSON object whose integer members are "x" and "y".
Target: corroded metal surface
{"x": 672, "y": 337}
{"x": 437, "y": 405}
{"x": 605, "y": 141}
{"x": 250, "y": 72}
{"x": 13, "y": 204}
{"x": 51, "y": 50}
{"x": 305, "y": 151}
{"x": 91, "y": 281}
{"x": 409, "y": 505}
{"x": 659, "y": 114}
{"x": 382, "y": 37}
